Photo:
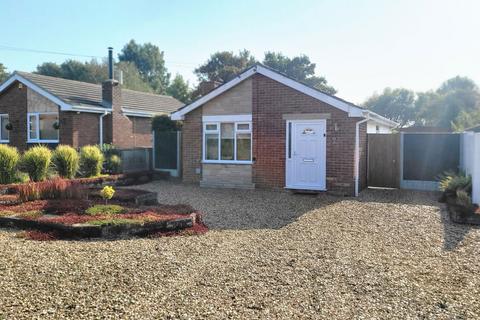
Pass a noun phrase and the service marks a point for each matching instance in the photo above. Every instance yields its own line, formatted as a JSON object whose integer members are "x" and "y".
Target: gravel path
{"x": 269, "y": 255}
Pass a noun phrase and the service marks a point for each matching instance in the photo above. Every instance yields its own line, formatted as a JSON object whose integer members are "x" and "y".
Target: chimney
{"x": 111, "y": 90}
{"x": 205, "y": 87}
{"x": 110, "y": 63}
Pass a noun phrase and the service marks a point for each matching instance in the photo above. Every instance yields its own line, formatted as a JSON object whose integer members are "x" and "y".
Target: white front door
{"x": 306, "y": 154}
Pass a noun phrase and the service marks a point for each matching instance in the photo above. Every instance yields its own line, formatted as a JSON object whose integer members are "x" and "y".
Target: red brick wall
{"x": 123, "y": 131}
{"x": 271, "y": 100}
{"x": 363, "y": 157}
{"x": 80, "y": 129}
{"x": 13, "y": 101}
{"x": 192, "y": 146}
{"x": 142, "y": 131}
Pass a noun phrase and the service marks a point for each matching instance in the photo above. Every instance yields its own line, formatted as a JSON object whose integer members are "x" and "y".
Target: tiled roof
{"x": 89, "y": 94}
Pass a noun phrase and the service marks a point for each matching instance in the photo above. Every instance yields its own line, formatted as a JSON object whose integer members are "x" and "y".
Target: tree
{"x": 50, "y": 69}
{"x": 95, "y": 72}
{"x": 224, "y": 66}
{"x": 395, "y": 104}
{"x": 90, "y": 71}
{"x": 179, "y": 89}
{"x": 299, "y": 68}
{"x": 3, "y": 73}
{"x": 131, "y": 77}
{"x": 150, "y": 62}
{"x": 457, "y": 83}
{"x": 454, "y": 104}
{"x": 164, "y": 123}
{"x": 466, "y": 120}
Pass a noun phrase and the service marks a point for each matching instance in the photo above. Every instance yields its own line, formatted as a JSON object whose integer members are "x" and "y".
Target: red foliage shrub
{"x": 51, "y": 189}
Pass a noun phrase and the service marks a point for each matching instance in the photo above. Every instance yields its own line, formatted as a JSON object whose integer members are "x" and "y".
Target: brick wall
{"x": 13, "y": 101}
{"x": 363, "y": 157}
{"x": 80, "y": 129}
{"x": 192, "y": 146}
{"x": 271, "y": 100}
{"x": 123, "y": 131}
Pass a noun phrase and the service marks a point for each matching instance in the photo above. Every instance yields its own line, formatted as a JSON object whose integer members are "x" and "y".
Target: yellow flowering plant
{"x": 107, "y": 193}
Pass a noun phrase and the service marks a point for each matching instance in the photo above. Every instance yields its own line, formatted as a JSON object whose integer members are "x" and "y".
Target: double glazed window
{"x": 4, "y": 134}
{"x": 41, "y": 127}
{"x": 227, "y": 142}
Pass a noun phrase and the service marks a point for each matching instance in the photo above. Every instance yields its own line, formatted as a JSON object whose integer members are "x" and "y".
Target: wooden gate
{"x": 384, "y": 160}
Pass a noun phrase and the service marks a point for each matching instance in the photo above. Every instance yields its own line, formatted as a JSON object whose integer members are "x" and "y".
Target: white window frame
{"x": 37, "y": 120}
{"x": 1, "y": 138}
{"x": 218, "y": 132}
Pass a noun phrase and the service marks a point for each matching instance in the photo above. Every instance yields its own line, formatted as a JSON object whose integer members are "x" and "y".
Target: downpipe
{"x": 100, "y": 126}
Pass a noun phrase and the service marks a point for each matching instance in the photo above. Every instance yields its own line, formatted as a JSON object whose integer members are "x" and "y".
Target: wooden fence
{"x": 411, "y": 160}
{"x": 136, "y": 160}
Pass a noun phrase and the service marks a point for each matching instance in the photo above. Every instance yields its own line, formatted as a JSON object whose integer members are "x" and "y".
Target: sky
{"x": 360, "y": 46}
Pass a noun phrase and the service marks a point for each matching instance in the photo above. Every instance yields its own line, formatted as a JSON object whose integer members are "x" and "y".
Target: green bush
{"x": 91, "y": 161}
{"x": 464, "y": 199}
{"x": 113, "y": 164}
{"x": 112, "y": 158}
{"x": 105, "y": 209}
{"x": 452, "y": 182}
{"x": 165, "y": 123}
{"x": 66, "y": 161}
{"x": 9, "y": 157}
{"x": 36, "y": 162}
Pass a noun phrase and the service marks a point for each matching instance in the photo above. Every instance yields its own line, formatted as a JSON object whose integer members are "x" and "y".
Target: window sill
{"x": 226, "y": 162}
{"x": 42, "y": 141}
{"x": 4, "y": 141}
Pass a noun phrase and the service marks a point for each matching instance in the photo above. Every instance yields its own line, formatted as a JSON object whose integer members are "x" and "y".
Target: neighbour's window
{"x": 377, "y": 129}
{"x": 4, "y": 133}
{"x": 228, "y": 142}
{"x": 42, "y": 127}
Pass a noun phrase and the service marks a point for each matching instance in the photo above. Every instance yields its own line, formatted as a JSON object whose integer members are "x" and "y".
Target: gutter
{"x": 357, "y": 151}
{"x": 136, "y": 113}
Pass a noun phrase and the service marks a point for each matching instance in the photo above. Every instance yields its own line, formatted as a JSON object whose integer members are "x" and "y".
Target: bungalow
{"x": 264, "y": 129}
{"x": 47, "y": 110}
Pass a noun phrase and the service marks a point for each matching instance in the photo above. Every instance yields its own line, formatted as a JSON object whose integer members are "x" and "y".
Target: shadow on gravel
{"x": 453, "y": 233}
{"x": 423, "y": 198}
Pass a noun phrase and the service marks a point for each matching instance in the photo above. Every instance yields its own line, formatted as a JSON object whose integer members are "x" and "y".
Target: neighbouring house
{"x": 264, "y": 129}
{"x": 36, "y": 109}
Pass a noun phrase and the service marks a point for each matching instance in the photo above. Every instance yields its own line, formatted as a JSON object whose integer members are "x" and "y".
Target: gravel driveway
{"x": 269, "y": 255}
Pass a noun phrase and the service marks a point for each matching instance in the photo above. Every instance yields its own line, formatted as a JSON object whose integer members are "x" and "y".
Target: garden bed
{"x": 131, "y": 212}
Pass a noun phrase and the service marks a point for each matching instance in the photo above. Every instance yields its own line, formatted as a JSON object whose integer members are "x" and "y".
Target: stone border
{"x": 92, "y": 231}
